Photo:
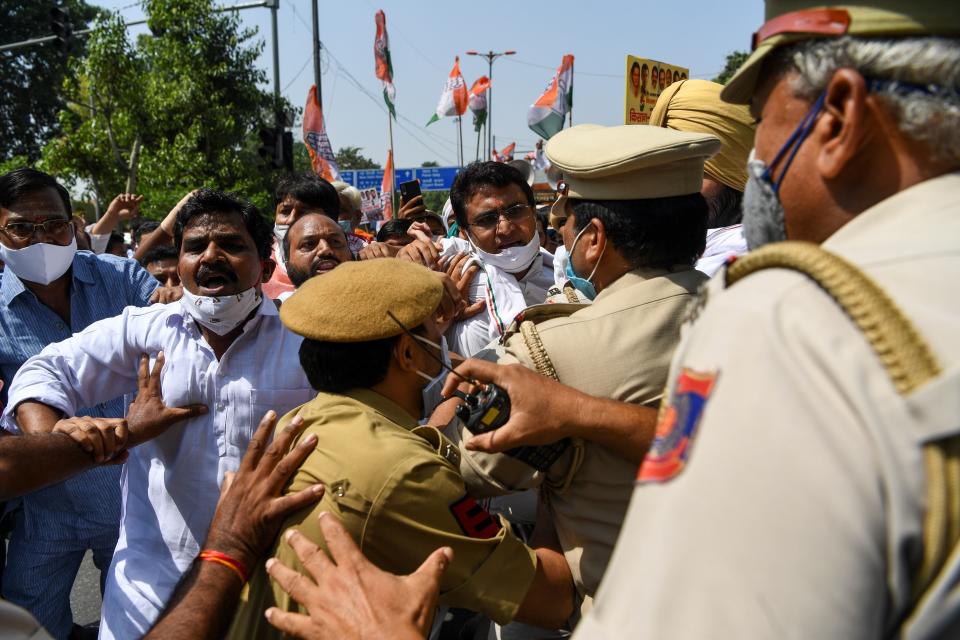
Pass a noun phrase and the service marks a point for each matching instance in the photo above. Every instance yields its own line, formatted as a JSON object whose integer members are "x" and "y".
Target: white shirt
{"x": 170, "y": 485}
{"x": 722, "y": 244}
{"x": 505, "y": 294}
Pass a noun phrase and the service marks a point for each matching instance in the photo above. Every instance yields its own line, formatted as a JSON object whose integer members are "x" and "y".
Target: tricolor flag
{"x": 453, "y": 100}
{"x": 386, "y": 188}
{"x": 381, "y": 52}
{"x": 506, "y": 155}
{"x": 315, "y": 137}
{"x": 546, "y": 115}
{"x": 478, "y": 101}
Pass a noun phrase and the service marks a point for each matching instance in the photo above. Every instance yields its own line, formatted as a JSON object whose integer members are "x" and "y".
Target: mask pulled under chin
{"x": 41, "y": 263}
{"x": 763, "y": 214}
{"x": 514, "y": 259}
{"x": 221, "y": 314}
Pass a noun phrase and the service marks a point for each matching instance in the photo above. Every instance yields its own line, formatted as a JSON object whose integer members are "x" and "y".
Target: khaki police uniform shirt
{"x": 795, "y": 507}
{"x": 619, "y": 347}
{"x": 400, "y": 499}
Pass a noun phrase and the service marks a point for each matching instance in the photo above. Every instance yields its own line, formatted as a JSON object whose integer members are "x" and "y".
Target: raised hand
{"x": 462, "y": 278}
{"x": 349, "y": 598}
{"x": 415, "y": 207}
{"x": 126, "y": 205}
{"x": 148, "y": 416}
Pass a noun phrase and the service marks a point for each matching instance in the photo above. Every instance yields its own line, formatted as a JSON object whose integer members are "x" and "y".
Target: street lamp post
{"x": 490, "y": 56}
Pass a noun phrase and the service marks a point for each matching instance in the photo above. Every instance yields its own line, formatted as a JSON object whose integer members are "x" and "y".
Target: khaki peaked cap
{"x": 350, "y": 303}
{"x": 630, "y": 162}
{"x": 789, "y": 21}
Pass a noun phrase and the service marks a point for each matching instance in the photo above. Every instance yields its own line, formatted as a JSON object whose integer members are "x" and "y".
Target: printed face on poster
{"x": 370, "y": 205}
{"x": 645, "y": 79}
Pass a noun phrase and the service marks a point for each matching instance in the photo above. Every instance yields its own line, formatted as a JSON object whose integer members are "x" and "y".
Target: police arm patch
{"x": 676, "y": 427}
{"x": 474, "y": 520}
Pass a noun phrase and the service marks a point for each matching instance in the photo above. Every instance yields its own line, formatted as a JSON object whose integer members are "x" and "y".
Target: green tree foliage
{"x": 168, "y": 113}
{"x": 351, "y": 158}
{"x": 734, "y": 60}
{"x": 430, "y": 163}
{"x": 433, "y": 200}
{"x": 29, "y": 76}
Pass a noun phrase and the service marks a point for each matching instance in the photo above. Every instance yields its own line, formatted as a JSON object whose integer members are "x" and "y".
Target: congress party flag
{"x": 504, "y": 156}
{"x": 478, "y": 101}
{"x": 454, "y": 99}
{"x": 386, "y": 188}
{"x": 546, "y": 115}
{"x": 315, "y": 137}
{"x": 381, "y": 53}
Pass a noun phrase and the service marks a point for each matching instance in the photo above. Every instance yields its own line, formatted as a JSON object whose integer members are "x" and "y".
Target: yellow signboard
{"x": 645, "y": 79}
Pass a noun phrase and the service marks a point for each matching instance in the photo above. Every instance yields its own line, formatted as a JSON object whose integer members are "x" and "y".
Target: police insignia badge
{"x": 676, "y": 426}
{"x": 474, "y": 520}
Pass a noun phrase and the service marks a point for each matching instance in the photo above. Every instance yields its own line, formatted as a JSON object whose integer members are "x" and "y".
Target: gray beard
{"x": 763, "y": 216}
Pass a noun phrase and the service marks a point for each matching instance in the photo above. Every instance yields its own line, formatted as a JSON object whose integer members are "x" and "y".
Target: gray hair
{"x": 931, "y": 116}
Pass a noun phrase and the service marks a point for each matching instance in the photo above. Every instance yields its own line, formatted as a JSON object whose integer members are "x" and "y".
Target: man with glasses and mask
{"x": 393, "y": 485}
{"x": 49, "y": 292}
{"x": 495, "y": 206}
{"x": 227, "y": 357}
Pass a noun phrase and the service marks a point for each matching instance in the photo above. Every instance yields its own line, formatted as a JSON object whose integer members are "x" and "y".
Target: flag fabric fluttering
{"x": 381, "y": 52}
{"x": 454, "y": 99}
{"x": 386, "y": 188}
{"x": 547, "y": 114}
{"x": 478, "y": 101}
{"x": 505, "y": 155}
{"x": 315, "y": 137}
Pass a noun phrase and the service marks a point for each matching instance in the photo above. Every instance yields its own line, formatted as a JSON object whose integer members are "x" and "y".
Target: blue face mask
{"x": 764, "y": 220}
{"x": 583, "y": 285}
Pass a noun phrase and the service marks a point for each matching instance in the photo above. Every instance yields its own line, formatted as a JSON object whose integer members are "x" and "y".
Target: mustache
{"x": 204, "y": 273}
{"x": 322, "y": 257}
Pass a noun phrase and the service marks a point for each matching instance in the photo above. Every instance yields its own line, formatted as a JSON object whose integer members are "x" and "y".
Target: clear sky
{"x": 425, "y": 36}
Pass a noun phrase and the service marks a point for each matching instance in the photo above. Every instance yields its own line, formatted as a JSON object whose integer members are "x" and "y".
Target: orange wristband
{"x": 209, "y": 555}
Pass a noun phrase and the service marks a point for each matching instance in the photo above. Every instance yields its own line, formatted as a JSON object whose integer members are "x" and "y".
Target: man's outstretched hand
{"x": 351, "y": 599}
{"x": 148, "y": 416}
{"x": 539, "y": 406}
{"x": 251, "y": 508}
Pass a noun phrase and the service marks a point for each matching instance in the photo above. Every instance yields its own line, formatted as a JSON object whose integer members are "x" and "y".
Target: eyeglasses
{"x": 490, "y": 219}
{"x": 57, "y": 228}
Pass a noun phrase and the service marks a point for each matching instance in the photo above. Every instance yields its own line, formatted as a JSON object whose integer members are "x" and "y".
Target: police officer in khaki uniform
{"x": 395, "y": 486}
{"x": 633, "y": 221}
{"x": 805, "y": 477}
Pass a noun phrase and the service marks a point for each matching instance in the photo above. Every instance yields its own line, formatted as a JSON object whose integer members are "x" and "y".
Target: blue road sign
{"x": 431, "y": 178}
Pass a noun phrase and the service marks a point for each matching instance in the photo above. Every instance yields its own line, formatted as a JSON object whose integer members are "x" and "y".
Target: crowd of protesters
{"x": 709, "y": 390}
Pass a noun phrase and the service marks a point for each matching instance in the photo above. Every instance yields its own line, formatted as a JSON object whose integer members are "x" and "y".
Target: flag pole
{"x": 478, "y": 142}
{"x": 460, "y": 136}
{"x": 571, "y": 92}
{"x": 393, "y": 178}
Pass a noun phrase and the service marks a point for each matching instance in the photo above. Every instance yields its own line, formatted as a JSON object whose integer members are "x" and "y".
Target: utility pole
{"x": 490, "y": 56}
{"x": 279, "y": 119}
{"x": 316, "y": 52}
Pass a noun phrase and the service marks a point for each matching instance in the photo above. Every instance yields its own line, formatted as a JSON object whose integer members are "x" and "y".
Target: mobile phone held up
{"x": 409, "y": 190}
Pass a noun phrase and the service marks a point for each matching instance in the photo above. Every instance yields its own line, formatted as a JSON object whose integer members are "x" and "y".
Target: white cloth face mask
{"x": 221, "y": 314}
{"x": 514, "y": 259}
{"x": 41, "y": 263}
